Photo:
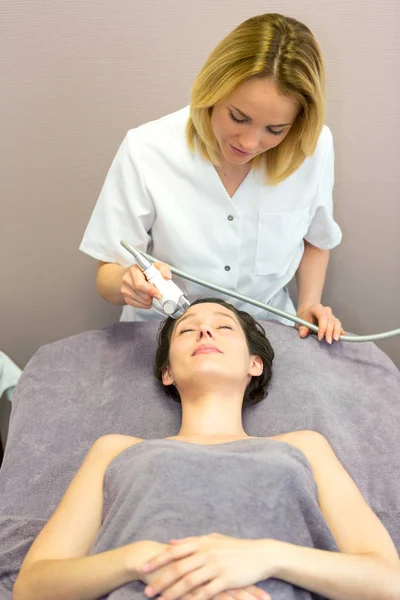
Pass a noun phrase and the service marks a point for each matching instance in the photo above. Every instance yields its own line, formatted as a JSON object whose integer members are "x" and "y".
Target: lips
{"x": 206, "y": 350}
{"x": 240, "y": 152}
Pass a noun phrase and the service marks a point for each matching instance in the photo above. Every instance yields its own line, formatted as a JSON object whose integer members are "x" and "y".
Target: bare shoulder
{"x": 355, "y": 527}
{"x": 108, "y": 446}
{"x": 314, "y": 445}
{"x": 304, "y": 437}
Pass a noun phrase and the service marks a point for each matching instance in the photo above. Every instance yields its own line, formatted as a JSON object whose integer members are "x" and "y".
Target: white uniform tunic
{"x": 162, "y": 198}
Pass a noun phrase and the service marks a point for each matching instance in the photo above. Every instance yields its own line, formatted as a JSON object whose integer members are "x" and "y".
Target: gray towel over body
{"x": 251, "y": 488}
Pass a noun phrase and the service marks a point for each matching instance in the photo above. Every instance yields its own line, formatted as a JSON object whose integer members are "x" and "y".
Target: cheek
{"x": 174, "y": 352}
{"x": 268, "y": 144}
{"x": 179, "y": 350}
{"x": 240, "y": 356}
{"x": 223, "y": 126}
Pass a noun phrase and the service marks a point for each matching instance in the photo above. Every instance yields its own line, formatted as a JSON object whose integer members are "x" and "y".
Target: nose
{"x": 250, "y": 140}
{"x": 204, "y": 332}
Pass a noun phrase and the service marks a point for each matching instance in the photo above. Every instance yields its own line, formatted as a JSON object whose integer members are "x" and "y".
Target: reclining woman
{"x": 212, "y": 512}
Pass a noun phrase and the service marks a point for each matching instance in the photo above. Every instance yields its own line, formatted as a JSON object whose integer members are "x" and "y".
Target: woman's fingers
{"x": 337, "y": 329}
{"x": 204, "y": 578}
{"x": 137, "y": 304}
{"x": 140, "y": 284}
{"x": 329, "y": 327}
{"x": 136, "y": 290}
{"x": 170, "y": 554}
{"x": 322, "y": 325}
{"x": 257, "y": 592}
{"x": 324, "y": 316}
{"x": 164, "y": 269}
{"x": 303, "y": 331}
{"x": 332, "y": 328}
{"x": 222, "y": 596}
{"x": 241, "y": 595}
{"x": 252, "y": 592}
{"x": 173, "y": 574}
{"x": 136, "y": 299}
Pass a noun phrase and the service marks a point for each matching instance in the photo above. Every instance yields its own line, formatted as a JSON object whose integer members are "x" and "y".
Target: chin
{"x": 204, "y": 365}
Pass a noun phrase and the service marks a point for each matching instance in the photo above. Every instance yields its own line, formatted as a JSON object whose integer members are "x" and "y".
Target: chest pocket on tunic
{"x": 279, "y": 238}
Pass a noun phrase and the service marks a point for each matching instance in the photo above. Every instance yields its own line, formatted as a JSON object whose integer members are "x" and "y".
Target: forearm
{"x": 109, "y": 281}
{"x": 310, "y": 275}
{"x": 336, "y": 576}
{"x": 85, "y": 578}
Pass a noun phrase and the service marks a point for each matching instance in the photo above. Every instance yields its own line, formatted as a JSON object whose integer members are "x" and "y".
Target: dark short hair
{"x": 257, "y": 343}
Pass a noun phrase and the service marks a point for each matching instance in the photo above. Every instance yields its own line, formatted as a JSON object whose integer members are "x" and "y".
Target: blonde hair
{"x": 269, "y": 45}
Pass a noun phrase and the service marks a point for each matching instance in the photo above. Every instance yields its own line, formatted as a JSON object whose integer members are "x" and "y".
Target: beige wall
{"x": 76, "y": 75}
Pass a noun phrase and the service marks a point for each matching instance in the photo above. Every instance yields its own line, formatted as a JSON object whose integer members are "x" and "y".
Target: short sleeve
{"x": 323, "y": 231}
{"x": 124, "y": 210}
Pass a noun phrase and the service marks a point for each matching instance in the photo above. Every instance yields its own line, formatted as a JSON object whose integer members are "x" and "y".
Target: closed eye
{"x": 218, "y": 327}
{"x": 272, "y": 131}
{"x": 232, "y": 116}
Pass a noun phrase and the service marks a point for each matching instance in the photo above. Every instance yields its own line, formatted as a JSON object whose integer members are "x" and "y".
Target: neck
{"x": 228, "y": 167}
{"x": 212, "y": 415}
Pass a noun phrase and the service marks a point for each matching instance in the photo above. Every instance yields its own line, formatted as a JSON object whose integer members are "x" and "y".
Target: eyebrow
{"x": 217, "y": 312}
{"x": 250, "y": 119}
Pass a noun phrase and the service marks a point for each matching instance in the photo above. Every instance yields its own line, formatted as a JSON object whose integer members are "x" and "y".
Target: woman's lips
{"x": 239, "y": 152}
{"x": 206, "y": 350}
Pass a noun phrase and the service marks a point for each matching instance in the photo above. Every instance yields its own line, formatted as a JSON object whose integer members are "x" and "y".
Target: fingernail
{"x": 329, "y": 340}
{"x": 337, "y": 336}
{"x": 149, "y": 591}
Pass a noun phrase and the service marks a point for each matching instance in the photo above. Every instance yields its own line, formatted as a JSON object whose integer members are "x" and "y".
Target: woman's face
{"x": 208, "y": 341}
{"x": 254, "y": 118}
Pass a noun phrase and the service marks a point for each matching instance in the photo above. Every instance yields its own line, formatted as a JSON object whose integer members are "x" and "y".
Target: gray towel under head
{"x": 251, "y": 488}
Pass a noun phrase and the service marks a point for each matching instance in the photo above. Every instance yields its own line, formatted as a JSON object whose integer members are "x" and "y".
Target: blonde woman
{"x": 236, "y": 188}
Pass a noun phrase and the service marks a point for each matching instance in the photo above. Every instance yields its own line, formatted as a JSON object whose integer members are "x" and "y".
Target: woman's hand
{"x": 145, "y": 551}
{"x": 140, "y": 553}
{"x": 251, "y": 592}
{"x": 135, "y": 288}
{"x": 210, "y": 565}
{"x": 328, "y": 325}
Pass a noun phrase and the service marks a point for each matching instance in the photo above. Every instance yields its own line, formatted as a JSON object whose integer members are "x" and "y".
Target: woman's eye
{"x": 232, "y": 116}
{"x": 218, "y": 327}
{"x": 274, "y": 132}
{"x": 271, "y": 131}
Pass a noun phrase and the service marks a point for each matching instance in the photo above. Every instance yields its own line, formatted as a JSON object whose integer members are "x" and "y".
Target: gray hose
{"x": 277, "y": 311}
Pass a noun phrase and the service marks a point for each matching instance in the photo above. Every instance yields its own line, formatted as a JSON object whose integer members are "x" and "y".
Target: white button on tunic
{"x": 162, "y": 198}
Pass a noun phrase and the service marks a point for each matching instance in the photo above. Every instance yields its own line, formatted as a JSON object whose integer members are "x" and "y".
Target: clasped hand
{"x": 209, "y": 566}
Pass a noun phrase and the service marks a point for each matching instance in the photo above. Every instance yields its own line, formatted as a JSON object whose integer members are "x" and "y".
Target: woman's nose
{"x": 250, "y": 140}
{"x": 204, "y": 332}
